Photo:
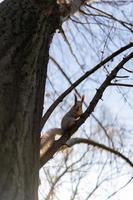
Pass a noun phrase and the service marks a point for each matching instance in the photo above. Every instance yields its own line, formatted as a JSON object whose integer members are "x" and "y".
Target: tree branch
{"x": 105, "y": 14}
{"x": 121, "y": 84}
{"x": 74, "y": 141}
{"x": 82, "y": 78}
{"x": 62, "y": 141}
{"x": 130, "y": 71}
{"x": 101, "y": 90}
{"x": 76, "y": 91}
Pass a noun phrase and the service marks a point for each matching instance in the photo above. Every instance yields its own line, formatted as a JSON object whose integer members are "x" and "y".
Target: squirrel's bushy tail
{"x": 48, "y": 138}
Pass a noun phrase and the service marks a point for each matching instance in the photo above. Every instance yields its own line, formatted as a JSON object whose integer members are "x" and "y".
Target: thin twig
{"x": 127, "y": 70}
{"x": 75, "y": 141}
{"x": 121, "y": 84}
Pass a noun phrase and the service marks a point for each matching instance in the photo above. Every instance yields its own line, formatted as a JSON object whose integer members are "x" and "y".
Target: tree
{"x": 26, "y": 31}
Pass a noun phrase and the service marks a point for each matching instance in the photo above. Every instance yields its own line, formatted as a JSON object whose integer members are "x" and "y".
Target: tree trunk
{"x": 25, "y": 35}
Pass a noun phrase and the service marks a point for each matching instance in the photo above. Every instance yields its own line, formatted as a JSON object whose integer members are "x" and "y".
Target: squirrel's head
{"x": 78, "y": 106}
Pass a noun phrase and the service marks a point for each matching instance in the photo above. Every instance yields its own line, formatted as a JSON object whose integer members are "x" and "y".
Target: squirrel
{"x": 67, "y": 122}
{"x": 72, "y": 115}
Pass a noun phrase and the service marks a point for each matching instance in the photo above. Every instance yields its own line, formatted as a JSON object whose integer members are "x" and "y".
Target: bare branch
{"x": 121, "y": 84}
{"x": 82, "y": 78}
{"x": 62, "y": 141}
{"x": 101, "y": 89}
{"x": 76, "y": 91}
{"x": 122, "y": 76}
{"x": 74, "y": 141}
{"x": 129, "y": 26}
{"x": 114, "y": 193}
{"x": 127, "y": 70}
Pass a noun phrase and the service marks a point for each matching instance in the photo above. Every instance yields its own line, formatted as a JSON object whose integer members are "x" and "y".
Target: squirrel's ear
{"x": 82, "y": 98}
{"x": 75, "y": 99}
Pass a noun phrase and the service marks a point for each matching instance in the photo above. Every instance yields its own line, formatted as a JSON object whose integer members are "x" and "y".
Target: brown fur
{"x": 72, "y": 115}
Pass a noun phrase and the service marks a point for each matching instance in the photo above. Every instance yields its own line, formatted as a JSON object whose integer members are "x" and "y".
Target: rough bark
{"x": 25, "y": 35}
